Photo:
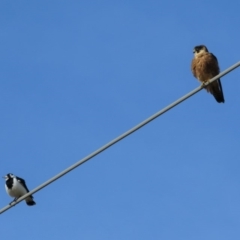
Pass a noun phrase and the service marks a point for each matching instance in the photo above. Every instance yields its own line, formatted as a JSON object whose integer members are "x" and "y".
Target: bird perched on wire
{"x": 204, "y": 67}
{"x": 16, "y": 187}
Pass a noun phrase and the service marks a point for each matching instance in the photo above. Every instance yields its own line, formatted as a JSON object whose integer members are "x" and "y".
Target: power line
{"x": 119, "y": 138}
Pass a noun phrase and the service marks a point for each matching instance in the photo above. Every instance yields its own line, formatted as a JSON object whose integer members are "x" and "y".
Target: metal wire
{"x": 109, "y": 144}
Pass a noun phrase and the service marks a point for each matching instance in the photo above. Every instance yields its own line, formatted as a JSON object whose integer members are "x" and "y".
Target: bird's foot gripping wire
{"x": 13, "y": 201}
{"x": 204, "y": 84}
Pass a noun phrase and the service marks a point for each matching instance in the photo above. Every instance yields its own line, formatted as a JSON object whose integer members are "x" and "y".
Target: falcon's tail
{"x": 29, "y": 201}
{"x": 215, "y": 89}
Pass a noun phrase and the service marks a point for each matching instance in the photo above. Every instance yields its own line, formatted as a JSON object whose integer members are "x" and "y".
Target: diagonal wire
{"x": 119, "y": 138}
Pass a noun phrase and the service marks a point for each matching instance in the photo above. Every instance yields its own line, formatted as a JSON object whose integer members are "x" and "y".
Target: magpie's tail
{"x": 29, "y": 201}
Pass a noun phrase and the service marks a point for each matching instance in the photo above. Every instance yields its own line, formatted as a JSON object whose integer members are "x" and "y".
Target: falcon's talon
{"x": 204, "y": 84}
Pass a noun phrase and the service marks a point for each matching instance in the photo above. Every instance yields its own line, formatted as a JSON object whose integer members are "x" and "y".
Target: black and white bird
{"x": 16, "y": 187}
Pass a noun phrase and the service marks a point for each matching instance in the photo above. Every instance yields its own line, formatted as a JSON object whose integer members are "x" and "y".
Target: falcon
{"x": 204, "y": 67}
{"x": 16, "y": 187}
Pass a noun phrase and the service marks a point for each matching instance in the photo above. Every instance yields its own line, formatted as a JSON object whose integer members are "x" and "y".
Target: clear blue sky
{"x": 76, "y": 74}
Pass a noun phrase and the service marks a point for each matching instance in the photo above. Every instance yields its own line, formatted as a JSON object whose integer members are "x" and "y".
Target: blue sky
{"x": 76, "y": 74}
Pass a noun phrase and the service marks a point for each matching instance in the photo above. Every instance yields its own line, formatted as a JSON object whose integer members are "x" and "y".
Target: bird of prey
{"x": 16, "y": 187}
{"x": 204, "y": 67}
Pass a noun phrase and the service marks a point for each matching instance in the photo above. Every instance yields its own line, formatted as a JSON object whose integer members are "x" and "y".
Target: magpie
{"x": 16, "y": 187}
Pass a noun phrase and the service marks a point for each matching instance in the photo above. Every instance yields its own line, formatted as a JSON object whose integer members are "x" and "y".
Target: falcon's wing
{"x": 216, "y": 87}
{"x": 212, "y": 64}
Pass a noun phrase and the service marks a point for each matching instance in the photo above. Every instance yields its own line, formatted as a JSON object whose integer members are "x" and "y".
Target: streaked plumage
{"x": 16, "y": 187}
{"x": 204, "y": 67}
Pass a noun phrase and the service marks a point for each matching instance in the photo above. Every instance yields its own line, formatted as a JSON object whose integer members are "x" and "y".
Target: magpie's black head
{"x": 8, "y": 176}
{"x": 200, "y": 49}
